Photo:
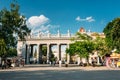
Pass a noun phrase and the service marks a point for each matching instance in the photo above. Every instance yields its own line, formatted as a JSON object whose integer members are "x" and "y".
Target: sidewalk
{"x": 37, "y": 67}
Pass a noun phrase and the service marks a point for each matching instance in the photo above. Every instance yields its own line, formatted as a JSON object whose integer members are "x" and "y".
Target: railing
{"x": 55, "y": 36}
{"x": 47, "y": 36}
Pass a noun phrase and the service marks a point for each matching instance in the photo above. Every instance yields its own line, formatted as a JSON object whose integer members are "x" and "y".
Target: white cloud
{"x": 41, "y": 28}
{"x": 40, "y": 24}
{"x": 77, "y": 18}
{"x": 88, "y": 19}
{"x": 35, "y": 21}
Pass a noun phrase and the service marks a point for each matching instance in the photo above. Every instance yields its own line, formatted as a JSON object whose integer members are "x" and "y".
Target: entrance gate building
{"x": 25, "y": 48}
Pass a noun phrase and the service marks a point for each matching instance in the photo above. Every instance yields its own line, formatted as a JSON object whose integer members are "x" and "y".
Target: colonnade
{"x": 29, "y": 52}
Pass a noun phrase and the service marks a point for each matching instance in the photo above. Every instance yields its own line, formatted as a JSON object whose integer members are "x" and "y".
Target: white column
{"x": 19, "y": 48}
{"x": 68, "y": 56}
{"x": 58, "y": 51}
{"x": 98, "y": 61}
{"x": 38, "y": 53}
{"x": 78, "y": 60}
{"x": 48, "y": 52}
{"x": 28, "y": 54}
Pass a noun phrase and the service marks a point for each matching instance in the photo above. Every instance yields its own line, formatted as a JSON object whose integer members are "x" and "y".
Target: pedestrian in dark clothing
{"x": 93, "y": 63}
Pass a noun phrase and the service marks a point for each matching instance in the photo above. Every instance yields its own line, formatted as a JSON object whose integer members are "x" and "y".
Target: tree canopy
{"x": 112, "y": 33}
{"x": 100, "y": 46}
{"x": 12, "y": 25}
{"x": 2, "y": 48}
{"x": 82, "y": 47}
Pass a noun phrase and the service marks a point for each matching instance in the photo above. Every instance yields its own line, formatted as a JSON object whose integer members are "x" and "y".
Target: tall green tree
{"x": 112, "y": 33}
{"x": 100, "y": 46}
{"x": 2, "y": 48}
{"x": 12, "y": 25}
{"x": 12, "y": 52}
{"x": 82, "y": 46}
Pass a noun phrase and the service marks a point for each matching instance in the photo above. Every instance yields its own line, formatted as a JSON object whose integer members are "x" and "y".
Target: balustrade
{"x": 43, "y": 36}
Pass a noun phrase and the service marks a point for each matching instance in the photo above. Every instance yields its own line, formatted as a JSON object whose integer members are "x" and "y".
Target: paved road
{"x": 56, "y": 73}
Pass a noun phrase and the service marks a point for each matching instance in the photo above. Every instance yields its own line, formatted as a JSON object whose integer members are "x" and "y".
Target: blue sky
{"x": 44, "y": 15}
